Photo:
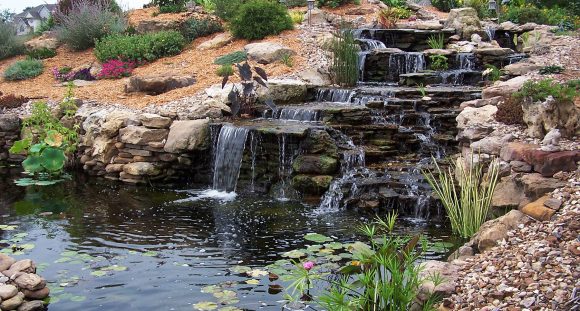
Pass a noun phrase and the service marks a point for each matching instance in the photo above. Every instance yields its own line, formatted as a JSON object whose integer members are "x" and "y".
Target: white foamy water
{"x": 209, "y": 194}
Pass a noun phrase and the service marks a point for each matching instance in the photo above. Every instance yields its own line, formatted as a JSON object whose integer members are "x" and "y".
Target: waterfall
{"x": 286, "y": 158}
{"x": 516, "y": 58}
{"x": 466, "y": 61}
{"x": 334, "y": 95}
{"x": 299, "y": 114}
{"x": 490, "y": 31}
{"x": 452, "y": 77}
{"x": 229, "y": 151}
{"x": 254, "y": 143}
{"x": 367, "y": 45}
{"x": 408, "y": 62}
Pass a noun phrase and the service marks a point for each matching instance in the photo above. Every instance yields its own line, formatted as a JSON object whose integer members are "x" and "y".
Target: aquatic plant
{"x": 465, "y": 189}
{"x": 243, "y": 97}
{"x": 345, "y": 61}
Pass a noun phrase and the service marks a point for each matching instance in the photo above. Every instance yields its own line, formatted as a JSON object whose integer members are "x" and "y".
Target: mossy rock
{"x": 315, "y": 164}
{"x": 309, "y": 184}
{"x": 319, "y": 142}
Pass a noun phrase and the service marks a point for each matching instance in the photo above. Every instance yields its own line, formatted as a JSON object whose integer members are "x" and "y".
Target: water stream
{"x": 229, "y": 151}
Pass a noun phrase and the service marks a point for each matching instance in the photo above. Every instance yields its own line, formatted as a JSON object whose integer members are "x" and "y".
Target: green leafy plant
{"x": 297, "y": 17}
{"x": 438, "y": 62}
{"x": 10, "y": 45}
{"x": 45, "y": 25}
{"x": 225, "y": 71}
{"x": 345, "y": 62}
{"x": 552, "y": 69}
{"x": 195, "y": 28}
{"x": 542, "y": 89}
{"x": 466, "y": 199}
{"x": 481, "y": 6}
{"x": 335, "y": 3}
{"x": 436, "y": 41}
{"x": 208, "y": 5}
{"x": 172, "y": 8}
{"x": 139, "y": 48}
{"x": 42, "y": 53}
{"x": 524, "y": 14}
{"x": 287, "y": 60}
{"x": 492, "y": 72}
{"x": 232, "y": 58}
{"x": 395, "y": 3}
{"x": 243, "y": 96}
{"x": 446, "y": 5}
{"x": 24, "y": 69}
{"x": 388, "y": 17}
{"x": 86, "y": 22}
{"x": 227, "y": 9}
{"x": 258, "y": 19}
{"x": 65, "y": 6}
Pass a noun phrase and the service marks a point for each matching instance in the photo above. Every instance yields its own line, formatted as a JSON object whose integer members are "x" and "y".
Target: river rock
{"x": 188, "y": 135}
{"x": 6, "y": 261}
{"x": 142, "y": 169}
{"x": 541, "y": 117}
{"x": 158, "y": 84}
{"x": 25, "y": 265}
{"x": 217, "y": 42}
{"x": 36, "y": 294}
{"x": 308, "y": 184}
{"x": 535, "y": 185}
{"x": 267, "y": 52}
{"x": 12, "y": 303}
{"x": 465, "y": 21}
{"x": 284, "y": 91}
{"x": 30, "y": 281}
{"x": 504, "y": 89}
{"x": 7, "y": 291}
{"x": 315, "y": 164}
{"x": 35, "y": 305}
{"x": 447, "y": 271}
{"x": 154, "y": 121}
{"x": 139, "y": 135}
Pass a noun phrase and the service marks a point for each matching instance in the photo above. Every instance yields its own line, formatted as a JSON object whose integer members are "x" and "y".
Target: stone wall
{"x": 9, "y": 133}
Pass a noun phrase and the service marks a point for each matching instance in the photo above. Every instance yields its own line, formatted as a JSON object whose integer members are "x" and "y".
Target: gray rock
{"x": 508, "y": 194}
{"x": 30, "y": 281}
{"x": 188, "y": 135}
{"x": 520, "y": 68}
{"x": 154, "y": 85}
{"x": 542, "y": 117}
{"x": 521, "y": 166}
{"x": 35, "y": 305}
{"x": 142, "y": 169}
{"x": 217, "y": 42}
{"x": 284, "y": 91}
{"x": 267, "y": 52}
{"x": 139, "y": 135}
{"x": 504, "y": 89}
{"x": 155, "y": 121}
{"x": 464, "y": 21}
{"x": 9, "y": 123}
{"x": 552, "y": 203}
{"x": 6, "y": 261}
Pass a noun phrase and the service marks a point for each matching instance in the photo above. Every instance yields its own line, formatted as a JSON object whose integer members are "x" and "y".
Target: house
{"x": 31, "y": 18}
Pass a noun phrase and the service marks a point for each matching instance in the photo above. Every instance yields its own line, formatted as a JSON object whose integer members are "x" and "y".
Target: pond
{"x": 106, "y": 246}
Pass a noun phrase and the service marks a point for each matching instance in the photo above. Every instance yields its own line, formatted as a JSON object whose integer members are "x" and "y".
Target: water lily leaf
{"x": 256, "y": 273}
{"x": 294, "y": 254}
{"x": 240, "y": 269}
{"x": 205, "y": 306}
{"x": 21, "y": 235}
{"x": 99, "y": 273}
{"x": 33, "y": 164}
{"x": 210, "y": 289}
{"x": 252, "y": 282}
{"x": 150, "y": 254}
{"x": 36, "y": 148}
{"x": 334, "y": 258}
{"x": 53, "y": 159}
{"x": 345, "y": 255}
{"x": 334, "y": 245}
{"x": 27, "y": 246}
{"x": 230, "y": 308}
{"x": 114, "y": 268}
{"x": 227, "y": 297}
{"x": 360, "y": 249}
{"x": 20, "y": 146}
{"x": 326, "y": 251}
{"x": 78, "y": 298}
{"x": 23, "y": 182}
{"x": 7, "y": 227}
{"x": 317, "y": 238}
{"x": 314, "y": 248}
{"x": 53, "y": 138}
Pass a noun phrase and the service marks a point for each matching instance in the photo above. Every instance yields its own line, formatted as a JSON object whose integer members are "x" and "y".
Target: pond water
{"x": 106, "y": 246}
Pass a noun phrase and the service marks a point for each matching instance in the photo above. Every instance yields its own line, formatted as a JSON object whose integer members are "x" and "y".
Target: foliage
{"x": 11, "y": 100}
{"x": 388, "y": 17}
{"x": 552, "y": 69}
{"x": 395, "y": 3}
{"x": 225, "y": 71}
{"x": 436, "y": 42}
{"x": 42, "y": 53}
{"x": 208, "y": 5}
{"x": 510, "y": 112}
{"x": 525, "y": 14}
{"x": 172, "y": 8}
{"x": 542, "y": 89}
{"x": 139, "y": 48}
{"x": 87, "y": 22}
{"x": 287, "y": 60}
{"x": 232, "y": 58}
{"x": 446, "y": 5}
{"x": 195, "y": 28}
{"x": 46, "y": 25}
{"x": 383, "y": 275}
{"x": 9, "y": 43}
{"x": 492, "y": 72}
{"x": 260, "y": 18}
{"x": 24, "y": 69}
{"x": 335, "y": 3}
{"x": 227, "y": 9}
{"x": 481, "y": 6}
{"x": 65, "y": 74}
{"x": 345, "y": 62}
{"x": 65, "y": 6}
{"x": 243, "y": 97}
{"x": 6, "y": 16}
{"x": 297, "y": 17}
{"x": 115, "y": 69}
{"x": 438, "y": 62}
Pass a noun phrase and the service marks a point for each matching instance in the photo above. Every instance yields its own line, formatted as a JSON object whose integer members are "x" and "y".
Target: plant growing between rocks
{"x": 345, "y": 61}
{"x": 492, "y": 73}
{"x": 388, "y": 17}
{"x": 243, "y": 97}
{"x": 436, "y": 42}
{"x": 438, "y": 62}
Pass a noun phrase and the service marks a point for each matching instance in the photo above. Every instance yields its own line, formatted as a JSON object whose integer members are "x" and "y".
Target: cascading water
{"x": 254, "y": 144}
{"x": 490, "y": 31}
{"x": 299, "y": 114}
{"x": 367, "y": 46}
{"x": 286, "y": 157}
{"x": 229, "y": 151}
{"x": 334, "y": 95}
{"x": 408, "y": 62}
{"x": 466, "y": 61}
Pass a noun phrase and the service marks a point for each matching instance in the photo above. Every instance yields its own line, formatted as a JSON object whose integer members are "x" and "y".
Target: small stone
{"x": 8, "y": 291}
{"x": 5, "y": 262}
{"x": 528, "y": 302}
{"x": 35, "y": 305}
{"x": 553, "y": 204}
{"x": 12, "y": 303}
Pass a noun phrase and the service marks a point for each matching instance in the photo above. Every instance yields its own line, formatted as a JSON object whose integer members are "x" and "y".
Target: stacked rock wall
{"x": 9, "y": 133}
{"x": 20, "y": 287}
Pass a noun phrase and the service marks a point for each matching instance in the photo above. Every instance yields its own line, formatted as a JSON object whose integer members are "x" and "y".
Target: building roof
{"x": 35, "y": 11}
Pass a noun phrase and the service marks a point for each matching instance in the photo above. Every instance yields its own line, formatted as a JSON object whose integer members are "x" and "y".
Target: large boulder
{"x": 449, "y": 273}
{"x": 142, "y": 169}
{"x": 493, "y": 231}
{"x": 314, "y": 78}
{"x": 267, "y": 52}
{"x": 475, "y": 123}
{"x": 5, "y": 262}
{"x": 504, "y": 89}
{"x": 158, "y": 84}
{"x": 188, "y": 135}
{"x": 9, "y": 123}
{"x": 535, "y": 186}
{"x": 156, "y": 121}
{"x": 315, "y": 164}
{"x": 493, "y": 51}
{"x": 217, "y": 42}
{"x": 139, "y": 135}
{"x": 30, "y": 281}
{"x": 508, "y": 194}
{"x": 42, "y": 42}
{"x": 542, "y": 117}
{"x": 284, "y": 91}
{"x": 464, "y": 21}
{"x": 491, "y": 144}
{"x": 520, "y": 68}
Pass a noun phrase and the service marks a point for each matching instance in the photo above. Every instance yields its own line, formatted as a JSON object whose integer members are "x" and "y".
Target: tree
{"x": 6, "y": 16}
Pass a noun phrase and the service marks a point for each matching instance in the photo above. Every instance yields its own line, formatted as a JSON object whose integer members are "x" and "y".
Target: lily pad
{"x": 334, "y": 245}
{"x": 226, "y": 297}
{"x": 294, "y": 254}
{"x": 210, "y": 289}
{"x": 230, "y": 308}
{"x": 99, "y": 273}
{"x": 256, "y": 273}
{"x": 240, "y": 269}
{"x": 317, "y": 238}
{"x": 150, "y": 254}
{"x": 205, "y": 306}
{"x": 252, "y": 282}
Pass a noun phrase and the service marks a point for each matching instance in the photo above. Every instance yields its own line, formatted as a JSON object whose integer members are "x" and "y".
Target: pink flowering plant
{"x": 116, "y": 68}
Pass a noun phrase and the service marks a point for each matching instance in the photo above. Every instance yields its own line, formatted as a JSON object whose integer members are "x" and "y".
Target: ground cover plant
{"x": 139, "y": 48}
{"x": 232, "y": 58}
{"x": 23, "y": 70}
{"x": 42, "y": 53}
{"x": 115, "y": 69}
{"x": 257, "y": 19}
{"x": 195, "y": 28}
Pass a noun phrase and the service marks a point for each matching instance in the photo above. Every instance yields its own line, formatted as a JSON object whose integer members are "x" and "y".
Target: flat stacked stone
{"x": 20, "y": 287}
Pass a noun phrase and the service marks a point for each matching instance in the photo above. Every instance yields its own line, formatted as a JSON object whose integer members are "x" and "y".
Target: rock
{"x": 438, "y": 52}
{"x": 520, "y": 68}
{"x": 35, "y": 305}
{"x": 9, "y": 123}
{"x": 114, "y": 168}
{"x": 155, "y": 121}
{"x": 493, "y": 51}
{"x": 188, "y": 135}
{"x": 141, "y": 169}
{"x": 496, "y": 230}
{"x": 491, "y": 144}
{"x": 475, "y": 38}
{"x": 284, "y": 91}
{"x": 462, "y": 253}
{"x": 12, "y": 303}
{"x": 520, "y": 166}
{"x": 544, "y": 162}
{"x": 462, "y": 47}
{"x": 464, "y": 21}
{"x": 504, "y": 89}
{"x": 552, "y": 203}
{"x": 315, "y": 164}
{"x": 428, "y": 25}
{"x": 6, "y": 261}
{"x": 42, "y": 42}
{"x": 316, "y": 17}
{"x": 267, "y": 52}
{"x": 542, "y": 117}
{"x": 7, "y": 291}
{"x": 139, "y": 135}
{"x": 515, "y": 151}
{"x": 319, "y": 142}
{"x": 314, "y": 78}
{"x": 538, "y": 211}
{"x": 36, "y": 294}
{"x": 507, "y": 195}
{"x": 446, "y": 270}
{"x": 217, "y": 42}
{"x": 159, "y": 84}
{"x": 359, "y": 11}
{"x": 25, "y": 265}
{"x": 535, "y": 186}
{"x": 311, "y": 184}
{"x": 474, "y": 123}
{"x": 30, "y": 281}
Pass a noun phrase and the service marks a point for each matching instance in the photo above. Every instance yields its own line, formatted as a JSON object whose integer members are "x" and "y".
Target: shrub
{"x": 525, "y": 14}
{"x": 115, "y": 69}
{"x": 232, "y": 58}
{"x": 552, "y": 69}
{"x": 446, "y": 5}
{"x": 388, "y": 17}
{"x": 87, "y": 22}
{"x": 510, "y": 112}
{"x": 467, "y": 199}
{"x": 260, "y": 18}
{"x": 208, "y": 5}
{"x": 46, "y": 25}
{"x": 345, "y": 62}
{"x": 196, "y": 27}
{"x": 171, "y": 8}
{"x": 24, "y": 69}
{"x": 438, "y": 62}
{"x": 335, "y": 3}
{"x": 481, "y": 6}
{"x": 227, "y": 9}
{"x": 65, "y": 6}
{"x": 11, "y": 101}
{"x": 9, "y": 43}
{"x": 139, "y": 48}
{"x": 225, "y": 71}
{"x": 395, "y": 3}
{"x": 542, "y": 89}
{"x": 297, "y": 17}
{"x": 42, "y": 53}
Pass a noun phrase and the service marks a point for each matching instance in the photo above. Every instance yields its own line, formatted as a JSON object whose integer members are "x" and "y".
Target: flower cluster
{"x": 116, "y": 68}
{"x": 66, "y": 74}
